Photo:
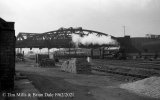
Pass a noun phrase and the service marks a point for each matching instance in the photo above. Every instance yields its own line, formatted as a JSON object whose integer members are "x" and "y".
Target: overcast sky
{"x": 139, "y": 16}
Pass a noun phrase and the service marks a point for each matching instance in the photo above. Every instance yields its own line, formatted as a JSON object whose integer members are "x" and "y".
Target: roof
{"x": 6, "y": 25}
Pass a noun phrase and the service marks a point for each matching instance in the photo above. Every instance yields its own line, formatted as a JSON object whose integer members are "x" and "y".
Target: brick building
{"x": 7, "y": 53}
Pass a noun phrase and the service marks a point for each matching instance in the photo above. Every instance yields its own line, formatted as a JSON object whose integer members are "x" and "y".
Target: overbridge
{"x": 60, "y": 38}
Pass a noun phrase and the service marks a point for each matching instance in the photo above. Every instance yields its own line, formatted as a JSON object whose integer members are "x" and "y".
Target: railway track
{"x": 120, "y": 73}
{"x": 128, "y": 68}
{"x": 134, "y": 64}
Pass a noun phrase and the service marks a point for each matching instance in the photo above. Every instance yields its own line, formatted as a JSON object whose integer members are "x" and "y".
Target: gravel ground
{"x": 149, "y": 87}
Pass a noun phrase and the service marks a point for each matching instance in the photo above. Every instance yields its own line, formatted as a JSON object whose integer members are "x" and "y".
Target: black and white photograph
{"x": 80, "y": 50}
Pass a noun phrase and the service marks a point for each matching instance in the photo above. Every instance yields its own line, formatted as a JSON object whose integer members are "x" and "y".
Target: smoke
{"x": 93, "y": 39}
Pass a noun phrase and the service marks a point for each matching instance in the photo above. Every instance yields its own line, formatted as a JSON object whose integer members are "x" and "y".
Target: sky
{"x": 139, "y": 17}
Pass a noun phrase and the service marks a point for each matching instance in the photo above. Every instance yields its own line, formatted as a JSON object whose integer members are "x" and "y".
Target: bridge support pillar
{"x": 92, "y": 53}
{"x": 102, "y": 53}
{"x": 23, "y": 53}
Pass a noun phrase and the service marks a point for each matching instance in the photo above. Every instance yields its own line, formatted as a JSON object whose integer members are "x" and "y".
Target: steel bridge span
{"x": 60, "y": 38}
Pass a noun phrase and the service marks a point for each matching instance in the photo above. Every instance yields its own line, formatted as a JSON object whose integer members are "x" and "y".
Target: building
{"x": 140, "y": 45}
{"x": 152, "y": 36}
{"x": 7, "y": 53}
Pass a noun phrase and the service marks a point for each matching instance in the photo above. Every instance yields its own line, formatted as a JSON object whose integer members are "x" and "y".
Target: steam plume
{"x": 92, "y": 39}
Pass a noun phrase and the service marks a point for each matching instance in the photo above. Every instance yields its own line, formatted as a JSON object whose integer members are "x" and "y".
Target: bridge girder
{"x": 60, "y": 38}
